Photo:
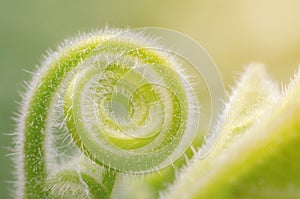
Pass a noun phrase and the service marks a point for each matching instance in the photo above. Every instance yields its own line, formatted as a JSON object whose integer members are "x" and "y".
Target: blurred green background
{"x": 234, "y": 32}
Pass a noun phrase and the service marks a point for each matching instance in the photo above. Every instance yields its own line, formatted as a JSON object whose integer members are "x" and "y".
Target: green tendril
{"x": 127, "y": 106}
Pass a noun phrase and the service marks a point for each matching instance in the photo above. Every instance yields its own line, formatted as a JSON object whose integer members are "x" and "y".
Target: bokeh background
{"x": 234, "y": 32}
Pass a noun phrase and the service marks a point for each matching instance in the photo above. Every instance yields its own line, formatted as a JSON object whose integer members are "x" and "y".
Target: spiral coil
{"x": 131, "y": 109}
{"x": 128, "y": 104}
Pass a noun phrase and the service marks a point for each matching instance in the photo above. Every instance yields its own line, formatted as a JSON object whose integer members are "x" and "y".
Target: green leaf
{"x": 257, "y": 153}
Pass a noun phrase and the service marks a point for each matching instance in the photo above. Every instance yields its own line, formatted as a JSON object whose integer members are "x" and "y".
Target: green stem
{"x": 127, "y": 106}
{"x": 36, "y": 118}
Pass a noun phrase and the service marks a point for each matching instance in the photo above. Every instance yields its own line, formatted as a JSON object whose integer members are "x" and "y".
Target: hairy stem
{"x": 119, "y": 103}
{"x": 36, "y": 117}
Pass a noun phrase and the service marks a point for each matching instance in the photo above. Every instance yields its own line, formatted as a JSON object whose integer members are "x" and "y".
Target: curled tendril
{"x": 128, "y": 104}
{"x": 131, "y": 113}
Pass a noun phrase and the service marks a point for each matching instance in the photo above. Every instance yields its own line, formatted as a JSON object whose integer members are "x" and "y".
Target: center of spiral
{"x": 121, "y": 108}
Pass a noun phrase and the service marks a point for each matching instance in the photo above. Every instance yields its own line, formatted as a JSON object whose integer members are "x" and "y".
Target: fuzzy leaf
{"x": 257, "y": 153}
